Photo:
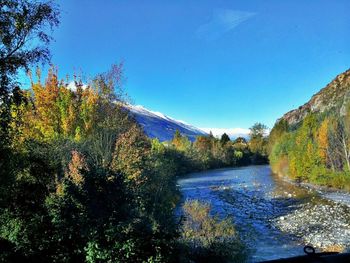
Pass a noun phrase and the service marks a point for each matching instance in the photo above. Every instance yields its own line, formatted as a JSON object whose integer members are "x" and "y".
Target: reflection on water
{"x": 253, "y": 197}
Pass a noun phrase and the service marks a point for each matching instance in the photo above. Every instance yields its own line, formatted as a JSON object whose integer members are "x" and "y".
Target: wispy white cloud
{"x": 222, "y": 21}
{"x": 71, "y": 85}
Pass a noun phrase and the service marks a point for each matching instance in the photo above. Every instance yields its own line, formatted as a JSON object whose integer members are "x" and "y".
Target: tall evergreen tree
{"x": 224, "y": 139}
{"x": 211, "y": 136}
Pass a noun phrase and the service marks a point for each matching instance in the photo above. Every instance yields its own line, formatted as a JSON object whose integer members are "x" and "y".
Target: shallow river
{"x": 270, "y": 214}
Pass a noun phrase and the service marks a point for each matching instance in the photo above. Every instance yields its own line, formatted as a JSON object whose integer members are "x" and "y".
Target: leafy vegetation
{"x": 80, "y": 181}
{"x": 86, "y": 184}
{"x": 21, "y": 23}
{"x": 316, "y": 151}
{"x": 207, "y": 238}
{"x": 258, "y": 143}
{"x": 83, "y": 186}
{"x": 208, "y": 152}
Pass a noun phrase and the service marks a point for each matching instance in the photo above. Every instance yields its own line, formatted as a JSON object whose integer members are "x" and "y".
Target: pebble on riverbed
{"x": 321, "y": 225}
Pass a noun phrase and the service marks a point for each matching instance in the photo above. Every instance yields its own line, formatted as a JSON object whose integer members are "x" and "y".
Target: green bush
{"x": 206, "y": 238}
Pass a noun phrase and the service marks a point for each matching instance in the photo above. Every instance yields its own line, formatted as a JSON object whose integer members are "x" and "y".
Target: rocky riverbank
{"x": 336, "y": 195}
{"x": 324, "y": 226}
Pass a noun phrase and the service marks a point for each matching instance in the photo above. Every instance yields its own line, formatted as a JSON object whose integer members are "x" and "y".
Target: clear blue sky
{"x": 210, "y": 63}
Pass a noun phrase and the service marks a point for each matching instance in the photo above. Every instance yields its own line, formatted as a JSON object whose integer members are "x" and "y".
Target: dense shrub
{"x": 207, "y": 238}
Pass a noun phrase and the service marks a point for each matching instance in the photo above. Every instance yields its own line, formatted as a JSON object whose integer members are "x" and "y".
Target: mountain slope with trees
{"x": 334, "y": 97}
{"x": 312, "y": 143}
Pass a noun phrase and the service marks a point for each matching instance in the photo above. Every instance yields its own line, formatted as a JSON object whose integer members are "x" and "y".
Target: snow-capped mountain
{"x": 158, "y": 125}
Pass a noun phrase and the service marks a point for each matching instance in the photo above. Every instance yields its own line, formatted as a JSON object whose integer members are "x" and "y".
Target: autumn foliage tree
{"x": 21, "y": 22}
{"x": 86, "y": 178}
{"x": 24, "y": 40}
{"x": 316, "y": 151}
{"x": 131, "y": 155}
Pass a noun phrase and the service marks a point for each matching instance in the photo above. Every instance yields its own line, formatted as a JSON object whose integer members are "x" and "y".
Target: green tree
{"x": 224, "y": 139}
{"x": 258, "y": 130}
{"x": 23, "y": 42}
{"x": 258, "y": 143}
{"x": 204, "y": 145}
{"x": 131, "y": 155}
{"x": 181, "y": 142}
{"x": 22, "y": 23}
{"x": 240, "y": 140}
{"x": 277, "y": 132}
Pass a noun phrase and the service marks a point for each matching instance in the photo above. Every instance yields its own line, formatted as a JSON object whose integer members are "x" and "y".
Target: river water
{"x": 259, "y": 204}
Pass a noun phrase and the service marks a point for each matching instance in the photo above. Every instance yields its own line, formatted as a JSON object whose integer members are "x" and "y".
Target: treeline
{"x": 209, "y": 152}
{"x": 316, "y": 150}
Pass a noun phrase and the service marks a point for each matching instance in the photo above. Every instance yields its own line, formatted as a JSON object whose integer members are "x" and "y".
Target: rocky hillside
{"x": 334, "y": 96}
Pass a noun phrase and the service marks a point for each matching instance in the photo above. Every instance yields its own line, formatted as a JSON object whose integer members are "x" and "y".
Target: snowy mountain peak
{"x": 163, "y": 127}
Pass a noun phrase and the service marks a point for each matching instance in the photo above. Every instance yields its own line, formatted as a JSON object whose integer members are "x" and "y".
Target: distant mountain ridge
{"x": 334, "y": 97}
{"x": 158, "y": 125}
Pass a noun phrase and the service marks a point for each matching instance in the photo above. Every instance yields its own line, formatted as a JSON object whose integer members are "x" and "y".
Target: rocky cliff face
{"x": 334, "y": 97}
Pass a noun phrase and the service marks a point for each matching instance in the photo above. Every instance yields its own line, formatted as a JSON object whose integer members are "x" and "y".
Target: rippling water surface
{"x": 254, "y": 198}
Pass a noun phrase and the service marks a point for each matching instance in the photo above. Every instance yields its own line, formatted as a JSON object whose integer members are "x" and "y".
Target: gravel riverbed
{"x": 322, "y": 226}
